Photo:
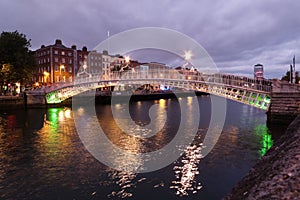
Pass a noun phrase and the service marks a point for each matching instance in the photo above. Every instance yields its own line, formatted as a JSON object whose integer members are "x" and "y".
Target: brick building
{"x": 58, "y": 63}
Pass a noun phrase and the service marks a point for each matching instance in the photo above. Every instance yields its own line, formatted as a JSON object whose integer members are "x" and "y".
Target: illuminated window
{"x": 63, "y": 53}
{"x": 63, "y": 60}
{"x": 55, "y": 52}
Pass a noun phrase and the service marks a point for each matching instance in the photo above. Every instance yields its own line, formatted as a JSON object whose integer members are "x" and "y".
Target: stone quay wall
{"x": 285, "y": 103}
{"x": 277, "y": 174}
{"x": 8, "y": 102}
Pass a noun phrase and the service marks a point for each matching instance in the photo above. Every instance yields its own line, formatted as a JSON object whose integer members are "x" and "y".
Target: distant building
{"x": 157, "y": 66}
{"x": 258, "y": 71}
{"x": 58, "y": 63}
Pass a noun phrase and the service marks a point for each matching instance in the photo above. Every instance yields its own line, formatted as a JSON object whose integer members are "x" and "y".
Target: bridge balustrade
{"x": 244, "y": 89}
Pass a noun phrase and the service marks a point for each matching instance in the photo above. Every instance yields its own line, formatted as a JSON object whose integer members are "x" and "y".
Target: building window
{"x": 70, "y": 69}
{"x": 63, "y": 60}
{"x": 56, "y": 59}
{"x": 55, "y": 52}
{"x": 63, "y": 53}
{"x": 69, "y": 54}
{"x": 80, "y": 56}
{"x": 70, "y": 61}
{"x": 56, "y": 68}
{"x": 48, "y": 59}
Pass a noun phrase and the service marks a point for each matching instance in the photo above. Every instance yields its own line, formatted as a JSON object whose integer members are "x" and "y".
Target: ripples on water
{"x": 42, "y": 156}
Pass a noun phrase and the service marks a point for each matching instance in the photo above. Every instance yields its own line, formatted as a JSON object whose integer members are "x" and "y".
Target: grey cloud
{"x": 235, "y": 33}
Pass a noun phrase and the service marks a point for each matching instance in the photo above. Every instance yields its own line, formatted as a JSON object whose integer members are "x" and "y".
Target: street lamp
{"x": 127, "y": 59}
{"x": 46, "y": 74}
{"x": 187, "y": 55}
{"x": 84, "y": 66}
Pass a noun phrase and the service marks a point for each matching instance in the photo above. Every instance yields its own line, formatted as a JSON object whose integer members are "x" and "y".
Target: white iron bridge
{"x": 242, "y": 89}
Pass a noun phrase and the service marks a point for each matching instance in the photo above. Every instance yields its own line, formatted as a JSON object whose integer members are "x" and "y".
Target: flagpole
{"x": 108, "y": 42}
{"x": 294, "y": 70}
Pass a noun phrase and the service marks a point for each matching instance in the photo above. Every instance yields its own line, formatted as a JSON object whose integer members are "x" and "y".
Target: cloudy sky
{"x": 236, "y": 33}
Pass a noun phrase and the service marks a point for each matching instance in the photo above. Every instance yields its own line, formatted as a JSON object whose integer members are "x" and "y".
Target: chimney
{"x": 58, "y": 42}
{"x": 73, "y": 47}
{"x": 105, "y": 52}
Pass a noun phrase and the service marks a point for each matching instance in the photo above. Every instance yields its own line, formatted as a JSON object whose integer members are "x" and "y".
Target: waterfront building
{"x": 259, "y": 71}
{"x": 58, "y": 63}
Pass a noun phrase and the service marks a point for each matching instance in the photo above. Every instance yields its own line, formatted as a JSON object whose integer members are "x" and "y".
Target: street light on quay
{"x": 46, "y": 74}
{"x": 127, "y": 59}
{"x": 84, "y": 66}
{"x": 187, "y": 55}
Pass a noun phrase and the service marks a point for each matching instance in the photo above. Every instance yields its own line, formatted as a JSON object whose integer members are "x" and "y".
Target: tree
{"x": 17, "y": 63}
{"x": 287, "y": 77}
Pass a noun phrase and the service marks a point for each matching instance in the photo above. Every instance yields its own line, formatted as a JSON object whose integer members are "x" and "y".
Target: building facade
{"x": 258, "y": 71}
{"x": 58, "y": 63}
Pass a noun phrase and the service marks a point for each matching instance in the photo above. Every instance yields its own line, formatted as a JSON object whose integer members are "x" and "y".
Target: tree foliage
{"x": 287, "y": 77}
{"x": 17, "y": 63}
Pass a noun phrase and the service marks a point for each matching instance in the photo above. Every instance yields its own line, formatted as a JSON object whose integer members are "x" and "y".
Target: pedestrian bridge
{"x": 245, "y": 90}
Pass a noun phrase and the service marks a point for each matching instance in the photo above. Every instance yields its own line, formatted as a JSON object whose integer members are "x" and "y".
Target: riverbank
{"x": 277, "y": 174}
{"x": 7, "y": 102}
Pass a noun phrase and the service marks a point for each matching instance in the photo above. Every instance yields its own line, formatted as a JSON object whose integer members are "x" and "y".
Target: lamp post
{"x": 127, "y": 59}
{"x": 84, "y": 66}
{"x": 187, "y": 55}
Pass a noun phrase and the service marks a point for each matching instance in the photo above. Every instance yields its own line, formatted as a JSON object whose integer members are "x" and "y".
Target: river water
{"x": 42, "y": 156}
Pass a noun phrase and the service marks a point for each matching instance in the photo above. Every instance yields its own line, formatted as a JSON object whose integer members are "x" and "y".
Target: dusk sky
{"x": 236, "y": 33}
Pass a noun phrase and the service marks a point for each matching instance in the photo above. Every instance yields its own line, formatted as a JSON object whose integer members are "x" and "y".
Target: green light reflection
{"x": 266, "y": 138}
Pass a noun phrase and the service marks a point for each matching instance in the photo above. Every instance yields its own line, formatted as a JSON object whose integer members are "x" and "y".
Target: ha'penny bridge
{"x": 279, "y": 98}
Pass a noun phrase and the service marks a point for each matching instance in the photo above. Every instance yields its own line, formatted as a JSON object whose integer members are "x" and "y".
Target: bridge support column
{"x": 285, "y": 103}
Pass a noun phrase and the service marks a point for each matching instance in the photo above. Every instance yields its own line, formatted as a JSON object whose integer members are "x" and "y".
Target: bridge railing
{"x": 170, "y": 74}
{"x": 238, "y": 81}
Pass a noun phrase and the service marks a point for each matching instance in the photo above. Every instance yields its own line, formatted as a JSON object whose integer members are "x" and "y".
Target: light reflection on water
{"x": 186, "y": 171}
{"x": 42, "y": 156}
